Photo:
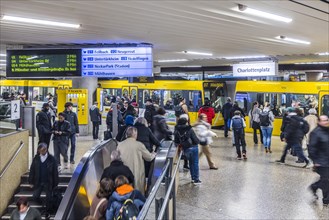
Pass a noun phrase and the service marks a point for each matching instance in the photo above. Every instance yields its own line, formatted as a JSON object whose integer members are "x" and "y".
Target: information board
{"x": 117, "y": 62}
{"x": 43, "y": 63}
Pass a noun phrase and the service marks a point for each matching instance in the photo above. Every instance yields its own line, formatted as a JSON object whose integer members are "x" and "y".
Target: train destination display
{"x": 117, "y": 62}
{"x": 44, "y": 63}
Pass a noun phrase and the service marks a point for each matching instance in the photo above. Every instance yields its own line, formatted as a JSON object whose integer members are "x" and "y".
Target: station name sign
{"x": 255, "y": 69}
{"x": 117, "y": 62}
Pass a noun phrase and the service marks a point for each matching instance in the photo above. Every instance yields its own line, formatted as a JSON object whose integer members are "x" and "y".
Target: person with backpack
{"x": 188, "y": 141}
{"x": 96, "y": 119}
{"x": 226, "y": 115}
{"x": 266, "y": 119}
{"x": 237, "y": 126}
{"x": 125, "y": 202}
{"x": 160, "y": 126}
{"x": 208, "y": 111}
{"x": 150, "y": 112}
{"x": 181, "y": 109}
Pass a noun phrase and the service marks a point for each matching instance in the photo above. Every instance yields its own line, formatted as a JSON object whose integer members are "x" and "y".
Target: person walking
{"x": 205, "y": 135}
{"x": 319, "y": 152}
{"x": 24, "y": 211}
{"x": 237, "y": 126}
{"x": 254, "y": 122}
{"x": 266, "y": 119}
{"x": 160, "y": 126}
{"x": 188, "y": 141}
{"x": 96, "y": 119}
{"x": 43, "y": 124}
{"x": 43, "y": 175}
{"x": 226, "y": 114}
{"x": 61, "y": 131}
{"x": 133, "y": 154}
{"x": 312, "y": 120}
{"x": 208, "y": 111}
{"x": 150, "y": 112}
{"x": 71, "y": 117}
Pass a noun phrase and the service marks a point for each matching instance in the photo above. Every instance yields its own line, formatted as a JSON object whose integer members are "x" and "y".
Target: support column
{"x": 89, "y": 83}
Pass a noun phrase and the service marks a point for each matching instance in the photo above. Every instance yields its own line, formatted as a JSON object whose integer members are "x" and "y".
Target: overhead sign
{"x": 15, "y": 109}
{"x": 117, "y": 62}
{"x": 255, "y": 69}
{"x": 43, "y": 63}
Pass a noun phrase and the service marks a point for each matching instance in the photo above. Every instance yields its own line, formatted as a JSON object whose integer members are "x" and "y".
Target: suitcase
{"x": 107, "y": 135}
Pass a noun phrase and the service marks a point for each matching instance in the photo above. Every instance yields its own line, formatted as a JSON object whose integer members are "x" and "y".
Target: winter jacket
{"x": 119, "y": 196}
{"x": 146, "y": 136}
{"x": 43, "y": 122}
{"x": 312, "y": 121}
{"x": 73, "y": 119}
{"x": 150, "y": 112}
{"x": 95, "y": 116}
{"x": 34, "y": 176}
{"x": 254, "y": 115}
{"x": 133, "y": 154}
{"x": 318, "y": 148}
{"x": 270, "y": 115}
{"x": 293, "y": 132}
{"x": 236, "y": 108}
{"x": 130, "y": 111}
{"x": 180, "y": 130}
{"x": 109, "y": 119}
{"x": 209, "y": 111}
{"x": 32, "y": 214}
{"x": 160, "y": 127}
{"x": 65, "y": 128}
{"x": 226, "y": 110}
{"x": 203, "y": 132}
{"x": 116, "y": 169}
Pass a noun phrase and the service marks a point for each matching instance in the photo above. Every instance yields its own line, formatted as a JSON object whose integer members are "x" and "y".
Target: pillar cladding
{"x": 89, "y": 83}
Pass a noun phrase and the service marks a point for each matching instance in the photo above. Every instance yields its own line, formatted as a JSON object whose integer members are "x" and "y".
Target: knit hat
{"x": 129, "y": 120}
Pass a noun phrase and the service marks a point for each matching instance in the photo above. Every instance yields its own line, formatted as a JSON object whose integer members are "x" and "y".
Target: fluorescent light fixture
{"x": 192, "y": 66}
{"x": 244, "y": 57}
{"x": 197, "y": 53}
{"x": 313, "y": 63}
{"x": 3, "y": 55}
{"x": 169, "y": 61}
{"x": 2, "y": 64}
{"x": 292, "y": 40}
{"x": 31, "y": 58}
{"x": 37, "y": 21}
{"x": 2, "y": 60}
{"x": 251, "y": 11}
{"x": 324, "y": 54}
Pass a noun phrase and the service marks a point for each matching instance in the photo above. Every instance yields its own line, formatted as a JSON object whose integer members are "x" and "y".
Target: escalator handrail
{"x": 75, "y": 182}
{"x": 12, "y": 159}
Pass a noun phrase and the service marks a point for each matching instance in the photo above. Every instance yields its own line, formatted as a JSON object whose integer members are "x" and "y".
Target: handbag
{"x": 203, "y": 143}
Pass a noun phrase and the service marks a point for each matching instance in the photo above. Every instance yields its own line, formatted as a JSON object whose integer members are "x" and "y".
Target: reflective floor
{"x": 254, "y": 189}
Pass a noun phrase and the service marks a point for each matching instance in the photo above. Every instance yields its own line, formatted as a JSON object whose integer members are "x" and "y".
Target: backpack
{"x": 237, "y": 125}
{"x": 129, "y": 210}
{"x": 185, "y": 140}
{"x": 264, "y": 119}
{"x": 305, "y": 126}
{"x": 178, "y": 110}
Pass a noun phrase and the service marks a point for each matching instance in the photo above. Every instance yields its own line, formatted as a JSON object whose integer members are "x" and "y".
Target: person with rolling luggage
{"x": 96, "y": 119}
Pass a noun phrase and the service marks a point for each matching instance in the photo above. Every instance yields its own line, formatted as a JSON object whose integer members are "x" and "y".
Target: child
{"x": 237, "y": 126}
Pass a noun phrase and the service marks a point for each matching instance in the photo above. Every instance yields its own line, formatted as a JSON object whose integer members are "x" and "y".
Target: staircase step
{"x": 7, "y": 216}
{"x": 63, "y": 177}
{"x": 26, "y": 186}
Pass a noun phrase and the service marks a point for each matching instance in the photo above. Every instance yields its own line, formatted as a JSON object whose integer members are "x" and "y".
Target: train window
{"x": 325, "y": 105}
{"x": 155, "y": 95}
{"x": 194, "y": 100}
{"x": 215, "y": 93}
{"x": 107, "y": 94}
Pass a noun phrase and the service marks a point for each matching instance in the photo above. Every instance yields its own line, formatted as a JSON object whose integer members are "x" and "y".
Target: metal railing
{"x": 167, "y": 180}
{"x": 12, "y": 159}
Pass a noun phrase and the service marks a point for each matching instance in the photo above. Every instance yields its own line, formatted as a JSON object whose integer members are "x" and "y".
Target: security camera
{"x": 242, "y": 7}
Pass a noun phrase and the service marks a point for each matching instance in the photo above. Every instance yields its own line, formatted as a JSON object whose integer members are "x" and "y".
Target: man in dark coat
{"x": 319, "y": 152}
{"x": 62, "y": 131}
{"x": 117, "y": 168}
{"x": 96, "y": 119}
{"x": 226, "y": 110}
{"x": 150, "y": 112}
{"x": 236, "y": 107}
{"x": 71, "y": 117}
{"x": 43, "y": 174}
{"x": 43, "y": 124}
{"x": 160, "y": 127}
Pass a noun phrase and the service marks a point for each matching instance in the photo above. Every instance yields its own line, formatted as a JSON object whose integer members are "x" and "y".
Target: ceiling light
{"x": 192, "y": 66}
{"x": 3, "y": 55}
{"x": 37, "y": 21}
{"x": 2, "y": 60}
{"x": 324, "y": 54}
{"x": 313, "y": 63}
{"x": 292, "y": 40}
{"x": 197, "y": 53}
{"x": 244, "y": 57}
{"x": 247, "y": 10}
{"x": 2, "y": 64}
{"x": 168, "y": 61}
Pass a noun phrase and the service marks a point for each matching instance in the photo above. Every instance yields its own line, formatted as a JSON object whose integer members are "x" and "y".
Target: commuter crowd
{"x": 124, "y": 185}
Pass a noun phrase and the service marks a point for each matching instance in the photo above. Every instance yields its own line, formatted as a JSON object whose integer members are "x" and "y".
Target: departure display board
{"x": 117, "y": 62}
{"x": 43, "y": 63}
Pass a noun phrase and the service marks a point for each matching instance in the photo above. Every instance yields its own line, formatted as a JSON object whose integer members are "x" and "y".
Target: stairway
{"x": 26, "y": 191}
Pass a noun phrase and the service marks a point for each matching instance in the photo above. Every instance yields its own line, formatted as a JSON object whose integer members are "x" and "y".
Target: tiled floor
{"x": 252, "y": 189}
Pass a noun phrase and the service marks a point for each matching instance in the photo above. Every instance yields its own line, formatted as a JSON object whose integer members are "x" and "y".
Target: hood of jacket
{"x": 208, "y": 126}
{"x": 182, "y": 128}
{"x": 93, "y": 107}
{"x": 122, "y": 193}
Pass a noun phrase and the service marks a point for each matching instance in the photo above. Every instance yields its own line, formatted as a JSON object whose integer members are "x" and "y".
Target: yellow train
{"x": 277, "y": 93}
{"x": 164, "y": 93}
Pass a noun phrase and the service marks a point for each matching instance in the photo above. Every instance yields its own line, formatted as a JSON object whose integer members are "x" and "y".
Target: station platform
{"x": 257, "y": 188}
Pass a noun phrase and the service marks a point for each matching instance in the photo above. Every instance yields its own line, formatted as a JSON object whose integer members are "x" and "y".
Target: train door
{"x": 324, "y": 103}
{"x": 130, "y": 92}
